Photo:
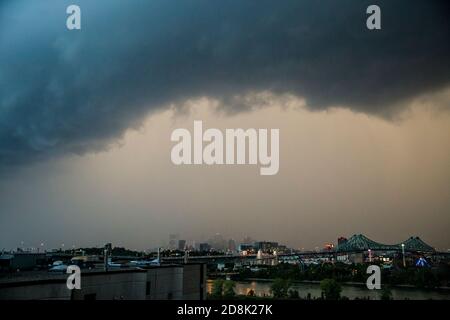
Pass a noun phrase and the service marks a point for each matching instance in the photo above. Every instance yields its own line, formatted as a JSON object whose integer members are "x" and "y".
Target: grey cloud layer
{"x": 74, "y": 91}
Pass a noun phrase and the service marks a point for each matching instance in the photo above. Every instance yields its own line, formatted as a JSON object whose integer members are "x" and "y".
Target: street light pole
{"x": 403, "y": 254}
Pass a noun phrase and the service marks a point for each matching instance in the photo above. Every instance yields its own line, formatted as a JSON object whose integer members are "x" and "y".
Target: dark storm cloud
{"x": 74, "y": 91}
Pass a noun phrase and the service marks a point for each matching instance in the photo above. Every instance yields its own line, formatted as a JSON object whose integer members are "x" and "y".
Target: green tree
{"x": 293, "y": 294}
{"x": 331, "y": 289}
{"x": 425, "y": 278}
{"x": 386, "y": 293}
{"x": 217, "y": 289}
{"x": 280, "y": 288}
{"x": 228, "y": 289}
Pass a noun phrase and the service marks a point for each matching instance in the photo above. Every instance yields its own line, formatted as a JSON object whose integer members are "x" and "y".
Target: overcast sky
{"x": 86, "y": 118}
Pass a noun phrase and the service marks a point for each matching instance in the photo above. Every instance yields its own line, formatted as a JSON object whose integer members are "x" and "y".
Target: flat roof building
{"x": 166, "y": 282}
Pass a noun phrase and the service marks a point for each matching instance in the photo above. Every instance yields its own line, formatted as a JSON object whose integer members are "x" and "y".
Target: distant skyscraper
{"x": 231, "y": 245}
{"x": 218, "y": 243}
{"x": 173, "y": 241}
{"x": 181, "y": 244}
{"x": 248, "y": 240}
{"x": 204, "y": 247}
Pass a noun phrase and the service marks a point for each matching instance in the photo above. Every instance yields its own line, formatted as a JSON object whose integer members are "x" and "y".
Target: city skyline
{"x": 196, "y": 244}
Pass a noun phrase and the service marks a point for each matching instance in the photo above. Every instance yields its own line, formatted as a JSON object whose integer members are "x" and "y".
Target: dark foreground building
{"x": 166, "y": 282}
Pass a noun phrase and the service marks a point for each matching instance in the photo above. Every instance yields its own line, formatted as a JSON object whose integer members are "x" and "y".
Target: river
{"x": 262, "y": 288}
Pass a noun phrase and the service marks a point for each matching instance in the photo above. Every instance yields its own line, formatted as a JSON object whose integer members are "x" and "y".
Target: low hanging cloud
{"x": 67, "y": 91}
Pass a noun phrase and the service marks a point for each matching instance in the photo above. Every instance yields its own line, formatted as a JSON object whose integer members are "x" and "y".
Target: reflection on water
{"x": 262, "y": 288}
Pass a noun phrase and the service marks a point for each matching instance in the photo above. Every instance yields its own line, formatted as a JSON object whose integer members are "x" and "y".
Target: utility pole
{"x": 403, "y": 254}
{"x": 186, "y": 256}
{"x": 106, "y": 253}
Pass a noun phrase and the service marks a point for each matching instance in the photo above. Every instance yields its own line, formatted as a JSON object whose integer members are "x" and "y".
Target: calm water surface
{"x": 262, "y": 288}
